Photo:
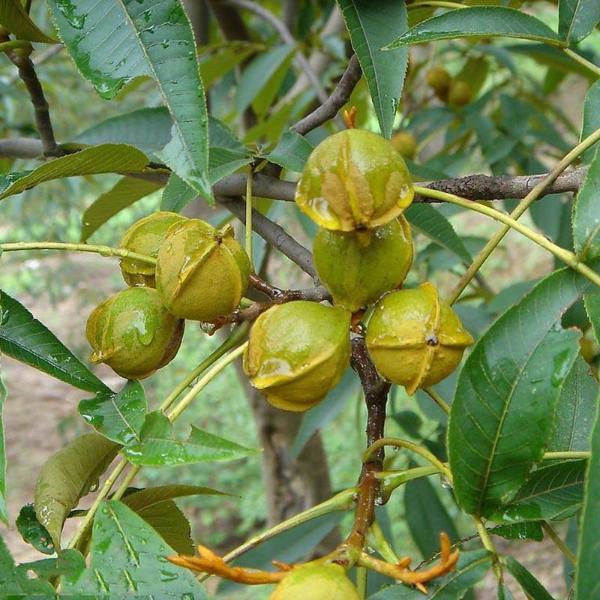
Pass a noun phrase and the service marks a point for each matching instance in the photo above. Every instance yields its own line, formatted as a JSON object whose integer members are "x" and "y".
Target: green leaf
{"x": 426, "y": 517}
{"x": 14, "y": 18}
{"x": 587, "y": 583}
{"x": 176, "y": 195}
{"x": 69, "y": 475}
{"x": 575, "y": 410}
{"x": 139, "y": 500}
{"x": 591, "y": 118}
{"x": 157, "y": 447}
{"x": 550, "y": 56}
{"x": 326, "y": 411}
{"x": 372, "y": 25}
{"x": 430, "y": 222}
{"x": 530, "y": 585}
{"x": 471, "y": 568}
{"x": 586, "y": 214}
{"x": 506, "y": 394}
{"x": 265, "y": 73}
{"x": 118, "y": 417}
{"x": 25, "y": 339}
{"x": 128, "y": 559}
{"x": 123, "y": 194}
{"x": 577, "y": 19}
{"x": 552, "y": 492}
{"x": 291, "y": 152}
{"x": 148, "y": 129}
{"x": 15, "y": 583}
{"x": 107, "y": 158}
{"x": 135, "y": 38}
{"x": 3, "y": 508}
{"x": 528, "y": 530}
{"x": 69, "y": 563}
{"x": 479, "y": 21}
{"x": 217, "y": 62}
{"x": 592, "y": 308}
{"x": 33, "y": 532}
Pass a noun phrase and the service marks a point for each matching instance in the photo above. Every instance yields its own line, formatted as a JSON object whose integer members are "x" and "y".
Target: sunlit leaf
{"x": 118, "y": 417}
{"x": 15, "y": 19}
{"x": 506, "y": 394}
{"x": 25, "y": 339}
{"x": 372, "y": 25}
{"x": 479, "y": 21}
{"x": 16, "y": 583}
{"x": 106, "y": 158}
{"x": 128, "y": 559}
{"x": 69, "y": 475}
{"x": 291, "y": 152}
{"x": 117, "y": 41}
{"x": 577, "y": 19}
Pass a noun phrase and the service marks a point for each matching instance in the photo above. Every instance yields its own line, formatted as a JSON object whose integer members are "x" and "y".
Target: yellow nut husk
{"x": 145, "y": 237}
{"x": 316, "y": 582}
{"x": 405, "y": 143}
{"x": 439, "y": 80}
{"x": 297, "y": 352}
{"x": 133, "y": 333}
{"x": 201, "y": 273}
{"x": 415, "y": 339}
{"x": 358, "y": 267}
{"x": 354, "y": 180}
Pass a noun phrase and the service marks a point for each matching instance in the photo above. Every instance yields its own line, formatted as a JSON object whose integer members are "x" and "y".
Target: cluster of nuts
{"x": 355, "y": 186}
{"x": 454, "y": 92}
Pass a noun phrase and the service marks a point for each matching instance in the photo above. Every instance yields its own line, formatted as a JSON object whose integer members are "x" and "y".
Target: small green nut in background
{"x": 415, "y": 339}
{"x": 352, "y": 180}
{"x": 145, "y": 237}
{"x": 201, "y": 272}
{"x": 405, "y": 143}
{"x": 460, "y": 93}
{"x": 358, "y": 267}
{"x": 133, "y": 333}
{"x": 438, "y": 79}
{"x": 316, "y": 582}
{"x": 297, "y": 352}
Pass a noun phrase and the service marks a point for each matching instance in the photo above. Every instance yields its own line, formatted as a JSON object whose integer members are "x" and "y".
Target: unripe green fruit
{"x": 415, "y": 339}
{"x": 460, "y": 93}
{"x": 358, "y": 267}
{"x": 145, "y": 237}
{"x": 315, "y": 582}
{"x": 133, "y": 333}
{"x": 354, "y": 180}
{"x": 438, "y": 79}
{"x": 201, "y": 273}
{"x": 297, "y": 352}
{"x": 405, "y": 143}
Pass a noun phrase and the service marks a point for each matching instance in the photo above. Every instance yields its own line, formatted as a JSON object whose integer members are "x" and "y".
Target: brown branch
{"x": 38, "y": 100}
{"x": 332, "y": 105}
{"x": 273, "y": 234}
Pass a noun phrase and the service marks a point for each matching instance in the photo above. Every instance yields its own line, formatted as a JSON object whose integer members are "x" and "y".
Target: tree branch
{"x": 38, "y": 100}
{"x": 273, "y": 234}
{"x": 332, "y": 105}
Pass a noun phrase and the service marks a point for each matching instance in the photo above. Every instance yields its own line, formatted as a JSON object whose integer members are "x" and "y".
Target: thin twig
{"x": 332, "y": 105}
{"x": 38, "y": 100}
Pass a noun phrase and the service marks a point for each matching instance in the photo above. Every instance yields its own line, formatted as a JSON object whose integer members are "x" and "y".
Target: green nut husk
{"x": 415, "y": 339}
{"x": 317, "y": 581}
{"x": 133, "y": 333}
{"x": 352, "y": 180}
{"x": 145, "y": 237}
{"x": 297, "y": 352}
{"x": 201, "y": 273}
{"x": 358, "y": 267}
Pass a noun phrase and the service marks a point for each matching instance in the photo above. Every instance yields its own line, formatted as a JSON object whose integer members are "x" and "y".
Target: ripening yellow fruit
{"x": 353, "y": 180}
{"x": 297, "y": 352}
{"x": 460, "y": 93}
{"x": 415, "y": 339}
{"x": 145, "y": 237}
{"x": 358, "y": 267}
{"x": 316, "y": 582}
{"x": 438, "y": 79}
{"x": 201, "y": 272}
{"x": 133, "y": 333}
